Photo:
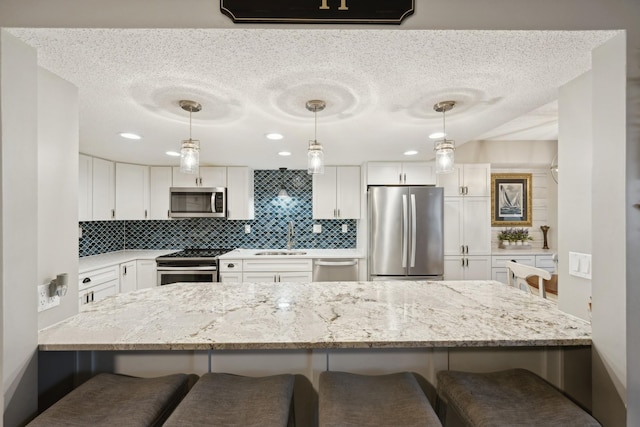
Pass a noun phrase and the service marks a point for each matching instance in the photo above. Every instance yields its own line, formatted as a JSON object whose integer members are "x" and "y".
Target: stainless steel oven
{"x": 190, "y": 265}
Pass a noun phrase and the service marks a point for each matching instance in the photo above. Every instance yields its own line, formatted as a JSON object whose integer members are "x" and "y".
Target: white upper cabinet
{"x": 336, "y": 193}
{"x": 85, "y": 188}
{"x": 132, "y": 191}
{"x": 240, "y": 201}
{"x": 469, "y": 179}
{"x": 401, "y": 173}
{"x": 160, "y": 179}
{"x": 467, "y": 229}
{"x": 104, "y": 186}
{"x": 209, "y": 176}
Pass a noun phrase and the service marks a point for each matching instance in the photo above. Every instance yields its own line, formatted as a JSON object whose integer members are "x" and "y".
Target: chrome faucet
{"x": 291, "y": 234}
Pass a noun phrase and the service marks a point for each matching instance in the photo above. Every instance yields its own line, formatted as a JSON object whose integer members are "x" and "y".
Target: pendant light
{"x": 190, "y": 148}
{"x": 315, "y": 156}
{"x": 444, "y": 148}
{"x": 282, "y": 194}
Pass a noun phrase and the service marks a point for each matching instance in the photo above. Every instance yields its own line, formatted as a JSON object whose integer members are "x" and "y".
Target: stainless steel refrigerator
{"x": 406, "y": 231}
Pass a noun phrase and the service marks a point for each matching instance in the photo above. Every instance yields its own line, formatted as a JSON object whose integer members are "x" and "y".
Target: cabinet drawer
{"x": 97, "y": 277}
{"x": 545, "y": 261}
{"x": 97, "y": 292}
{"x": 277, "y": 265}
{"x": 231, "y": 265}
{"x": 499, "y": 261}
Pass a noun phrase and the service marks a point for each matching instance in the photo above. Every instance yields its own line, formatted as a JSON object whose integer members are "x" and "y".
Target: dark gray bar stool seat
{"x": 514, "y": 397}
{"x": 397, "y": 400}
{"x": 118, "y": 400}
{"x": 232, "y": 400}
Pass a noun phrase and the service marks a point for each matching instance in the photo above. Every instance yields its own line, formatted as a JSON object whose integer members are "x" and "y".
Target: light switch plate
{"x": 247, "y": 229}
{"x": 345, "y": 228}
{"x": 580, "y": 265}
{"x": 317, "y": 228}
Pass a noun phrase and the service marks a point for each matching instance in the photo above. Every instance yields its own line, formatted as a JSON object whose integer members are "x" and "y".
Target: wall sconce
{"x": 59, "y": 285}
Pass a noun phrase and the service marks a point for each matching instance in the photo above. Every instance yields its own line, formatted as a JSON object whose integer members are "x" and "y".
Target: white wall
{"x": 609, "y": 220}
{"x": 575, "y": 147}
{"x": 18, "y": 217}
{"x": 57, "y": 190}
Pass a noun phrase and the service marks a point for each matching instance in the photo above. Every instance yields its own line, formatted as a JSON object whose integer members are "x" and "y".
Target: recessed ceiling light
{"x": 273, "y": 136}
{"x": 172, "y": 154}
{"x": 437, "y": 135}
{"x": 129, "y": 135}
{"x": 410, "y": 153}
{"x": 284, "y": 153}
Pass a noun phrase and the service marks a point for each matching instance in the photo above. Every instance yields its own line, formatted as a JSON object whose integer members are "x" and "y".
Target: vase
{"x": 519, "y": 243}
{"x": 544, "y": 229}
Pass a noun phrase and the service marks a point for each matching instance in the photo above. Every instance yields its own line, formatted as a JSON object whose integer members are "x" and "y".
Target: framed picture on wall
{"x": 511, "y": 199}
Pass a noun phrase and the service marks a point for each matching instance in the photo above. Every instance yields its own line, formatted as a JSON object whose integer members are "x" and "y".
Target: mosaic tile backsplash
{"x": 268, "y": 229}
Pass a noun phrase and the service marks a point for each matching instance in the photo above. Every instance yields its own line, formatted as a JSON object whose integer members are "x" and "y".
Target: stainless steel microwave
{"x": 192, "y": 202}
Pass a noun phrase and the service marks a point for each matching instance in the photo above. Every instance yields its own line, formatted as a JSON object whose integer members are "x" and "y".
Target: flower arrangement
{"x": 514, "y": 235}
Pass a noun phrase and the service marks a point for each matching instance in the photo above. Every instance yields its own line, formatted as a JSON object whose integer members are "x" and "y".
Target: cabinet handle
{"x": 467, "y": 262}
{"x": 92, "y": 298}
{"x": 230, "y": 265}
{"x": 145, "y": 214}
{"x": 462, "y": 259}
{"x": 86, "y": 280}
{"x": 113, "y": 213}
{"x": 462, "y": 249}
{"x": 466, "y": 190}
{"x": 338, "y": 213}
{"x": 400, "y": 178}
{"x": 168, "y": 213}
{"x": 404, "y": 178}
{"x": 466, "y": 248}
{"x": 125, "y": 270}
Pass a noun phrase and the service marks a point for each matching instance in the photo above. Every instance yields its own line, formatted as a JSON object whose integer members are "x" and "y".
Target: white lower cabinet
{"x": 146, "y": 274}
{"x": 499, "y": 271}
{"x": 277, "y": 270}
{"x": 97, "y": 284}
{"x": 128, "y": 279}
{"x": 467, "y": 267}
{"x": 231, "y": 270}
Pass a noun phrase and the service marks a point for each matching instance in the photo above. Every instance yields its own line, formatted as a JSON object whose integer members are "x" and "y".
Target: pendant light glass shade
{"x": 190, "y": 156}
{"x": 190, "y": 148}
{"x": 444, "y": 148}
{"x": 282, "y": 194}
{"x": 315, "y": 156}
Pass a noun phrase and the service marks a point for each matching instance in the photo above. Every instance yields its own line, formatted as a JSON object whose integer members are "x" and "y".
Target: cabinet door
{"x": 477, "y": 268}
{"x": 128, "y": 279}
{"x": 477, "y": 225}
{"x": 384, "y": 173}
{"x": 259, "y": 277}
{"x": 104, "y": 198}
{"x": 160, "y": 178}
{"x": 453, "y": 225}
{"x": 348, "y": 192}
{"x": 451, "y": 182}
{"x": 499, "y": 274}
{"x": 146, "y": 274}
{"x": 85, "y": 190}
{"x": 180, "y": 179}
{"x": 240, "y": 202}
{"x": 324, "y": 194}
{"x": 213, "y": 176}
{"x": 231, "y": 277}
{"x": 453, "y": 268}
{"x": 297, "y": 276}
{"x": 418, "y": 173}
{"x": 477, "y": 179}
{"x": 132, "y": 191}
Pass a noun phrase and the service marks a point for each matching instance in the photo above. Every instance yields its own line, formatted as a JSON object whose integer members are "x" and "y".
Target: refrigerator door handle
{"x": 413, "y": 230}
{"x": 405, "y": 230}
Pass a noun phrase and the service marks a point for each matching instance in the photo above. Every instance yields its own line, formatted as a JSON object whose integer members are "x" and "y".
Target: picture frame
{"x": 511, "y": 200}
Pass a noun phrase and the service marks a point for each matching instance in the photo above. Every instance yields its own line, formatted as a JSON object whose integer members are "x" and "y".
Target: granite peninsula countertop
{"x": 252, "y": 316}
{"x": 299, "y": 253}
{"x": 93, "y": 262}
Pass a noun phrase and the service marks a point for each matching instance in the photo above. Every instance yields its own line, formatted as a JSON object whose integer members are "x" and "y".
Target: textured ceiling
{"x": 379, "y": 85}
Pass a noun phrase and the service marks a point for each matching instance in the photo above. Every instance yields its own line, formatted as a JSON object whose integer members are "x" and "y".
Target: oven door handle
{"x": 187, "y": 269}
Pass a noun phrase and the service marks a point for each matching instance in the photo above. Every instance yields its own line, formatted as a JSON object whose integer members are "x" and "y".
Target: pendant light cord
{"x": 315, "y": 128}
{"x": 190, "y": 111}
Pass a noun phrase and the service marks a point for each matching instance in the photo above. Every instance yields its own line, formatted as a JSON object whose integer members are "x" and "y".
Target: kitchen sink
{"x": 281, "y": 253}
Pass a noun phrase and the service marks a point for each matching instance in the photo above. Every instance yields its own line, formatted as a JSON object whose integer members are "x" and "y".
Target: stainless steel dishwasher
{"x": 335, "y": 270}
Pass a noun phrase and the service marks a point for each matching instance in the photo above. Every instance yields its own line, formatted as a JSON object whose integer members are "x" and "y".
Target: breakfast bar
{"x": 308, "y": 328}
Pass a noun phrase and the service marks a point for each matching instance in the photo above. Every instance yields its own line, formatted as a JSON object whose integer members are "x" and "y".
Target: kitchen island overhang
{"x": 337, "y": 315}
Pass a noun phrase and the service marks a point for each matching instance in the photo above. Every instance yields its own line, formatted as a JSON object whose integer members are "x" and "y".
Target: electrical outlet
{"x": 317, "y": 228}
{"x": 247, "y": 229}
{"x": 45, "y": 301}
{"x": 345, "y": 228}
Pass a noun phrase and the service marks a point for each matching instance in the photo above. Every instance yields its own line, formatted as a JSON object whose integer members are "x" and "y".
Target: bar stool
{"x": 505, "y": 398}
{"x": 397, "y": 400}
{"x": 232, "y": 400}
{"x": 118, "y": 400}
